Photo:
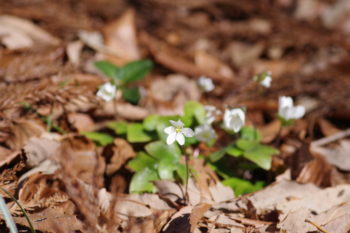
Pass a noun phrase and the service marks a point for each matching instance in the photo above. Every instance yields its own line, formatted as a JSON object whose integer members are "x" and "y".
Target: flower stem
{"x": 187, "y": 178}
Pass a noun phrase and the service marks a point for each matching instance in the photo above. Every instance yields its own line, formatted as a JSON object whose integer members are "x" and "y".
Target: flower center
{"x": 178, "y": 130}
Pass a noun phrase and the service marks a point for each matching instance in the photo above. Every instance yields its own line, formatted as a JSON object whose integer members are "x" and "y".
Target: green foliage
{"x": 136, "y": 133}
{"x": 249, "y": 147}
{"x": 160, "y": 161}
{"x": 134, "y": 71}
{"x": 122, "y": 76}
{"x": 241, "y": 186}
{"x": 119, "y": 127}
{"x": 131, "y": 94}
{"x": 142, "y": 181}
{"x": 107, "y": 68}
{"x": 101, "y": 139}
{"x": 193, "y": 111}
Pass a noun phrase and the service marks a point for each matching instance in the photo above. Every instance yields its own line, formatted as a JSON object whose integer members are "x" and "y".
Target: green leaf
{"x": 107, "y": 68}
{"x": 234, "y": 151}
{"x": 193, "y": 110}
{"x": 150, "y": 122}
{"x": 249, "y": 133}
{"x": 161, "y": 150}
{"x": 241, "y": 186}
{"x": 134, "y": 71}
{"x": 136, "y": 133}
{"x": 217, "y": 155}
{"x": 119, "y": 127}
{"x": 181, "y": 171}
{"x": 245, "y": 144}
{"x": 141, "y": 181}
{"x": 261, "y": 155}
{"x": 131, "y": 94}
{"x": 166, "y": 168}
{"x": 141, "y": 161}
{"x": 101, "y": 139}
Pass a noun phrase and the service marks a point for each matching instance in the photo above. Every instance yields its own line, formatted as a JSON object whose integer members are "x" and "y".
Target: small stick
{"x": 317, "y": 226}
{"x": 331, "y": 138}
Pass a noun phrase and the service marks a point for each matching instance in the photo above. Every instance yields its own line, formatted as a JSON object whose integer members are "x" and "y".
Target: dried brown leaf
{"x": 21, "y": 33}
{"x": 120, "y": 37}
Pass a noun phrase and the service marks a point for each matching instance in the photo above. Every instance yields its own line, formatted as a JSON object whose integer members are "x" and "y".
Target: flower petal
{"x": 171, "y": 138}
{"x": 298, "y": 112}
{"x": 284, "y": 102}
{"x": 188, "y": 132}
{"x": 180, "y": 138}
{"x": 177, "y": 124}
{"x": 169, "y": 130}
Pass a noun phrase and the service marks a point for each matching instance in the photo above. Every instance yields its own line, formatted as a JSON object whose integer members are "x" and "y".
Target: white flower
{"x": 210, "y": 113}
{"x": 205, "y": 133}
{"x": 206, "y": 84}
{"x": 287, "y": 111}
{"x": 264, "y": 79}
{"x": 234, "y": 119}
{"x": 266, "y": 82}
{"x": 106, "y": 91}
{"x": 177, "y": 132}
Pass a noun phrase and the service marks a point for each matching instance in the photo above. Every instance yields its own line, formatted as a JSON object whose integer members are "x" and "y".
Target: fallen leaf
{"x": 197, "y": 213}
{"x": 19, "y": 33}
{"x": 74, "y": 51}
{"x": 117, "y": 154}
{"x": 39, "y": 149}
{"x": 211, "y": 64}
{"x": 337, "y": 156}
{"x": 120, "y": 37}
{"x": 327, "y": 127}
{"x": 270, "y": 131}
{"x": 82, "y": 122}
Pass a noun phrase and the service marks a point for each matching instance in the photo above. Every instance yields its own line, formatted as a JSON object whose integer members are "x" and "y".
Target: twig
{"x": 331, "y": 138}
{"x": 317, "y": 226}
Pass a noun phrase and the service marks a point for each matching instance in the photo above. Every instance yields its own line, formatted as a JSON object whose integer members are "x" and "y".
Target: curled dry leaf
{"x": 81, "y": 122}
{"x": 36, "y": 194}
{"x": 117, "y": 154}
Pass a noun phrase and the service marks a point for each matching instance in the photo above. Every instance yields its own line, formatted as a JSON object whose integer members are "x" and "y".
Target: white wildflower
{"x": 264, "y": 79}
{"x": 266, "y": 82}
{"x": 205, "y": 133}
{"x": 210, "y": 113}
{"x": 287, "y": 110}
{"x": 107, "y": 91}
{"x": 234, "y": 119}
{"x": 206, "y": 84}
{"x": 177, "y": 132}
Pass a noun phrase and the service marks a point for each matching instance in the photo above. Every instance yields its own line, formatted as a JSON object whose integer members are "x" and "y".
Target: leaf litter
{"x": 67, "y": 183}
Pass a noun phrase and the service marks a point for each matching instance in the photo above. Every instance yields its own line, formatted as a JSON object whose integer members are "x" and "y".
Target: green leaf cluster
{"x": 158, "y": 161}
{"x": 125, "y": 75}
{"x": 249, "y": 147}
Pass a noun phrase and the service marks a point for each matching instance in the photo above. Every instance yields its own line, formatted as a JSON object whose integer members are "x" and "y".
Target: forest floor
{"x": 68, "y": 158}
